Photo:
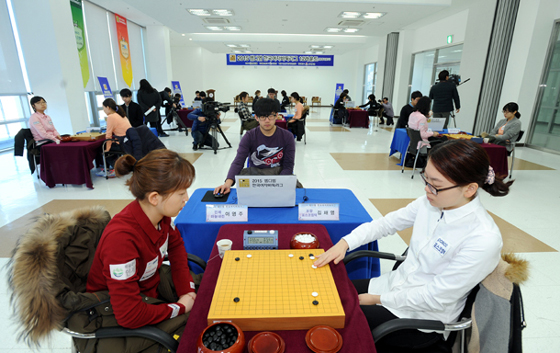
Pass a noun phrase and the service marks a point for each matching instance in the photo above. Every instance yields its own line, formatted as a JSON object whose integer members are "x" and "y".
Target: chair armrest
{"x": 370, "y": 253}
{"x": 150, "y": 332}
{"x": 197, "y": 260}
{"x": 402, "y": 324}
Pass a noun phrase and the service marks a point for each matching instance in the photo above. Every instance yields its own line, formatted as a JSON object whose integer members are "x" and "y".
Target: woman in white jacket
{"x": 455, "y": 244}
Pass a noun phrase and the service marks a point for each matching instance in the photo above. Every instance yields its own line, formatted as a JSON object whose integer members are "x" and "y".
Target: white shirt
{"x": 450, "y": 252}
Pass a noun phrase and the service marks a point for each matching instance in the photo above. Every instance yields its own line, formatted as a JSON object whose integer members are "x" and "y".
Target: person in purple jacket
{"x": 271, "y": 150}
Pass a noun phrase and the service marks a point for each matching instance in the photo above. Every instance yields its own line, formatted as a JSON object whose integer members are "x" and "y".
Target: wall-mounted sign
{"x": 280, "y": 60}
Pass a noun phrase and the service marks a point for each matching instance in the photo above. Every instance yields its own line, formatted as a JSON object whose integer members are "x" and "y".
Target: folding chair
{"x": 412, "y": 148}
{"x": 512, "y": 152}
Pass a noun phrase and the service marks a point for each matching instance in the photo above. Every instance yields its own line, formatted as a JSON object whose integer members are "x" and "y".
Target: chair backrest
{"x": 316, "y": 100}
{"x": 520, "y": 136}
{"x": 49, "y": 269}
{"x": 415, "y": 138}
{"x": 305, "y": 112}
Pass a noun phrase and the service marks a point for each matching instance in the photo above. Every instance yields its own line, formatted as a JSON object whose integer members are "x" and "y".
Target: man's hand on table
{"x": 224, "y": 189}
{"x": 336, "y": 253}
{"x": 369, "y": 299}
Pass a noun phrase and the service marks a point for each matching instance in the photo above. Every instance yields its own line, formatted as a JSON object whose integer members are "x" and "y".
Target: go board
{"x": 269, "y": 290}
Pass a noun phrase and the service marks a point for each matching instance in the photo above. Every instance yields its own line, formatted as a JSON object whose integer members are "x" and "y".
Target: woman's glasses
{"x": 433, "y": 189}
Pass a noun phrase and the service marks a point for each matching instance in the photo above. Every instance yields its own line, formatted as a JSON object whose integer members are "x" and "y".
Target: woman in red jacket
{"x": 130, "y": 253}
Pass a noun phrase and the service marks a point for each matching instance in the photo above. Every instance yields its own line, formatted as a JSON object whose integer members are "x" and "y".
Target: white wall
{"x": 196, "y": 69}
{"x": 158, "y": 57}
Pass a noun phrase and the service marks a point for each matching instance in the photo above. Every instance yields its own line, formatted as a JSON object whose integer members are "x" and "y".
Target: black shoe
{"x": 299, "y": 139}
{"x": 163, "y": 134}
{"x": 194, "y": 147}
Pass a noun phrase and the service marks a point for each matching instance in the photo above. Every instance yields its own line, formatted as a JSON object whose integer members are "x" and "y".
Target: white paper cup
{"x": 486, "y": 140}
{"x": 223, "y": 246}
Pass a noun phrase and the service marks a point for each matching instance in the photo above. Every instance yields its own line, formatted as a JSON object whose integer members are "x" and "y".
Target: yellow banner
{"x": 124, "y": 49}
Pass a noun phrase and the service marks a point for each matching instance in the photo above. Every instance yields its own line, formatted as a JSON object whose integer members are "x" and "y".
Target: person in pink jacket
{"x": 40, "y": 124}
{"x": 418, "y": 120}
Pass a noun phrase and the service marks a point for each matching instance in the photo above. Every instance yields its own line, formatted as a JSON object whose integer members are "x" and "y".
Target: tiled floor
{"x": 532, "y": 207}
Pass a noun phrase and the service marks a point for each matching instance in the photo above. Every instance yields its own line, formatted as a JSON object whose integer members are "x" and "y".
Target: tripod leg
{"x": 223, "y": 135}
{"x": 215, "y": 140}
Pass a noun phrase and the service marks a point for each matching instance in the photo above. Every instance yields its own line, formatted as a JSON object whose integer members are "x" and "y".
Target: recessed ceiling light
{"x": 244, "y": 46}
{"x": 232, "y": 45}
{"x": 348, "y": 14}
{"x": 373, "y": 15}
{"x": 457, "y": 51}
{"x": 214, "y": 28}
{"x": 190, "y": 38}
{"x": 199, "y": 12}
{"x": 223, "y": 12}
{"x": 327, "y": 46}
{"x": 319, "y": 52}
{"x": 315, "y": 46}
{"x": 308, "y": 52}
{"x": 233, "y": 28}
{"x": 237, "y": 51}
{"x": 333, "y": 30}
{"x": 351, "y": 30}
{"x": 183, "y": 34}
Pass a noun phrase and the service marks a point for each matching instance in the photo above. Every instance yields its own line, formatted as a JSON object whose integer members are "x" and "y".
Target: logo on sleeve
{"x": 441, "y": 246}
{"x": 122, "y": 272}
{"x": 175, "y": 310}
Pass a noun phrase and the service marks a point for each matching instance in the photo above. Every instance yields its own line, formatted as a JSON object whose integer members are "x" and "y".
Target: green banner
{"x": 79, "y": 32}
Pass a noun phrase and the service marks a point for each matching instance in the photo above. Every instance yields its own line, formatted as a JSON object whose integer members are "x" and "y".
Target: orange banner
{"x": 124, "y": 49}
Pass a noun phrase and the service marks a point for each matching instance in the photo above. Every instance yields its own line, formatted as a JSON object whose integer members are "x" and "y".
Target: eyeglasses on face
{"x": 432, "y": 188}
{"x": 270, "y": 117}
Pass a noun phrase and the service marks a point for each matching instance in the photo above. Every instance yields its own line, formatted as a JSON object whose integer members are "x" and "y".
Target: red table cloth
{"x": 358, "y": 118}
{"x": 498, "y": 158}
{"x": 183, "y": 115}
{"x": 69, "y": 162}
{"x": 355, "y": 334}
{"x": 281, "y": 123}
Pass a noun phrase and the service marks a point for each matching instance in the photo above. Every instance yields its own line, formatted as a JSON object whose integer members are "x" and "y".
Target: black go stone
{"x": 315, "y": 302}
{"x": 220, "y": 337}
{"x": 237, "y": 259}
{"x": 310, "y": 255}
{"x": 236, "y": 299}
{"x": 301, "y": 257}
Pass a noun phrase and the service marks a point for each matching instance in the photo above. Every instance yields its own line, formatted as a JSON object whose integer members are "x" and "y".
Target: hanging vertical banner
{"x": 177, "y": 89}
{"x": 105, "y": 88}
{"x": 122, "y": 39}
{"x": 337, "y": 93}
{"x": 79, "y": 33}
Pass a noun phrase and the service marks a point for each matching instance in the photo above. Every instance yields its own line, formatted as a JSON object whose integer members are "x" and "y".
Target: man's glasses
{"x": 433, "y": 189}
{"x": 270, "y": 117}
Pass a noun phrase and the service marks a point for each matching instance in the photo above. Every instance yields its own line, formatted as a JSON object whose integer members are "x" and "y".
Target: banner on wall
{"x": 177, "y": 89}
{"x": 79, "y": 33}
{"x": 337, "y": 92}
{"x": 105, "y": 88}
{"x": 124, "y": 49}
{"x": 280, "y": 60}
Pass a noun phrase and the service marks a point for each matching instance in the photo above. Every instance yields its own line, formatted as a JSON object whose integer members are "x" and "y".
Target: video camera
{"x": 212, "y": 109}
{"x": 456, "y": 79}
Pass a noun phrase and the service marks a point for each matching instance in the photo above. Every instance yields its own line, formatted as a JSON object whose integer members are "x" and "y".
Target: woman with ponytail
{"x": 455, "y": 244}
{"x": 117, "y": 124}
{"x": 506, "y": 131}
{"x": 128, "y": 259}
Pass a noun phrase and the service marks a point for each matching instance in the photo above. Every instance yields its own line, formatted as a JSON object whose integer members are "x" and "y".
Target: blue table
{"x": 400, "y": 143}
{"x": 199, "y": 236}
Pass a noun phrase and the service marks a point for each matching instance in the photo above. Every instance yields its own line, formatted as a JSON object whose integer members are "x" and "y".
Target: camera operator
{"x": 167, "y": 102}
{"x": 271, "y": 150}
{"x": 443, "y": 94}
{"x": 201, "y": 125}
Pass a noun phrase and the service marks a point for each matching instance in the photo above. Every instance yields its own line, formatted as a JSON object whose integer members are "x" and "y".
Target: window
{"x": 14, "y": 113}
{"x": 370, "y": 76}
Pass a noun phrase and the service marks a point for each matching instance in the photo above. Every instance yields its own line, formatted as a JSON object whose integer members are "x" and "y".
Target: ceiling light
{"x": 347, "y": 14}
{"x": 223, "y": 12}
{"x": 319, "y": 52}
{"x": 351, "y": 30}
{"x": 327, "y": 46}
{"x": 233, "y": 28}
{"x": 214, "y": 28}
{"x": 247, "y": 51}
{"x": 199, "y": 12}
{"x": 315, "y": 46}
{"x": 333, "y": 30}
{"x": 308, "y": 52}
{"x": 232, "y": 45}
{"x": 190, "y": 38}
{"x": 237, "y": 51}
{"x": 457, "y": 51}
{"x": 183, "y": 34}
{"x": 244, "y": 46}
{"x": 373, "y": 15}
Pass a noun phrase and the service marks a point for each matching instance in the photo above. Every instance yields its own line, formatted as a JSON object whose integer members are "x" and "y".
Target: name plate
{"x": 226, "y": 213}
{"x": 318, "y": 211}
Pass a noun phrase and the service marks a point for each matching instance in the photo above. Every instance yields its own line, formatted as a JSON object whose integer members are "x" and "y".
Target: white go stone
{"x": 315, "y": 294}
{"x": 249, "y": 255}
{"x": 291, "y": 255}
{"x": 312, "y": 257}
{"x": 313, "y": 266}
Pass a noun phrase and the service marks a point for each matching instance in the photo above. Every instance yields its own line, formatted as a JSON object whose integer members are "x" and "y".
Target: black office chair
{"x": 509, "y": 334}
{"x": 298, "y": 126}
{"x": 114, "y": 154}
{"x": 415, "y": 138}
{"x": 24, "y": 140}
{"x": 48, "y": 274}
{"x": 512, "y": 152}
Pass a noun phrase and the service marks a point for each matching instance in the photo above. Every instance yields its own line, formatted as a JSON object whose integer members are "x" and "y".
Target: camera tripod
{"x": 173, "y": 113}
{"x": 214, "y": 129}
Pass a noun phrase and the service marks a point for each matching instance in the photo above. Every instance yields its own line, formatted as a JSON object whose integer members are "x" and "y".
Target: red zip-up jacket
{"x": 127, "y": 261}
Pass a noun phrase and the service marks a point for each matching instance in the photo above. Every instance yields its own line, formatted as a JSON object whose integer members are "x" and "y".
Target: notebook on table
{"x": 266, "y": 190}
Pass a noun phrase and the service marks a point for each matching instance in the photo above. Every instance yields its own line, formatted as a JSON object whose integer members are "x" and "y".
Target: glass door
{"x": 545, "y": 128}
{"x": 370, "y": 76}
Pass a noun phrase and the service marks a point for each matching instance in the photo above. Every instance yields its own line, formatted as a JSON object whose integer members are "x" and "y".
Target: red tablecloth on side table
{"x": 281, "y": 123}
{"x": 183, "y": 115}
{"x": 355, "y": 334}
{"x": 498, "y": 158}
{"x": 358, "y": 118}
{"x": 69, "y": 162}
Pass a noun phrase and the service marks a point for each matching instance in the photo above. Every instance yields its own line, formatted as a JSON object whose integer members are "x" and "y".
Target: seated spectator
{"x": 506, "y": 131}
{"x": 129, "y": 258}
{"x": 407, "y": 110}
{"x": 387, "y": 112}
{"x": 117, "y": 124}
{"x": 40, "y": 124}
{"x": 247, "y": 119}
{"x": 200, "y": 128}
{"x": 132, "y": 109}
{"x": 271, "y": 150}
{"x": 372, "y": 105}
{"x": 198, "y": 96}
{"x": 272, "y": 95}
{"x": 340, "y": 112}
{"x": 285, "y": 100}
{"x": 418, "y": 120}
{"x": 294, "y": 123}
{"x": 347, "y": 98}
{"x": 256, "y": 98}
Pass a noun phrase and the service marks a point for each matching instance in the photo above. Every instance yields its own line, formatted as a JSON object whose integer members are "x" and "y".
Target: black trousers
{"x": 400, "y": 341}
